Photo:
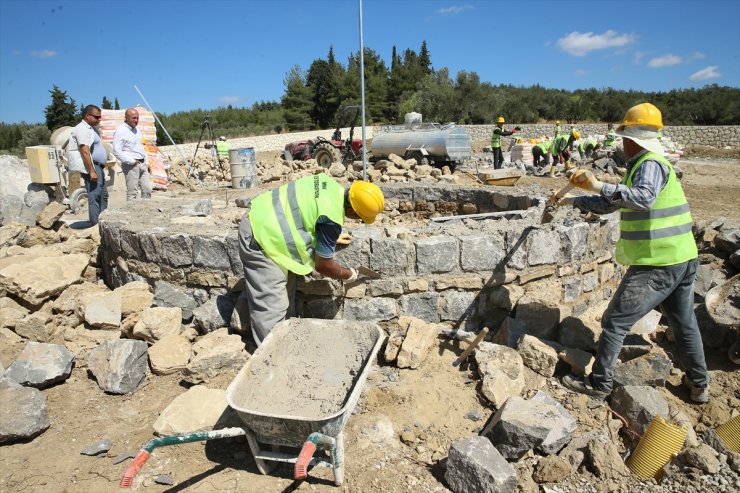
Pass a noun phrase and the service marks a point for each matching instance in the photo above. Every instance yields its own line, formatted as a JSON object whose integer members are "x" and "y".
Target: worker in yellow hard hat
{"x": 560, "y": 150}
{"x": 657, "y": 247}
{"x": 293, "y": 230}
{"x": 498, "y": 132}
{"x": 541, "y": 152}
{"x": 558, "y": 130}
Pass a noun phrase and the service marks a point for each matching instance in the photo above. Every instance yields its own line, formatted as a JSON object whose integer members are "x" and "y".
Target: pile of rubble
{"x": 212, "y": 171}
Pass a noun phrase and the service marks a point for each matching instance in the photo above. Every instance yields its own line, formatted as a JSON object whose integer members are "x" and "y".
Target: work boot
{"x": 582, "y": 385}
{"x": 552, "y": 171}
{"x": 699, "y": 395}
{"x": 568, "y": 165}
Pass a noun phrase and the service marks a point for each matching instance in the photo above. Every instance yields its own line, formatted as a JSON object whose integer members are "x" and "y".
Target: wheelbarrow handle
{"x": 300, "y": 471}
{"x": 133, "y": 469}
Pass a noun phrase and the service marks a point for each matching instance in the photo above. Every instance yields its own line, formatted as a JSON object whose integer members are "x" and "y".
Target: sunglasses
{"x": 97, "y": 117}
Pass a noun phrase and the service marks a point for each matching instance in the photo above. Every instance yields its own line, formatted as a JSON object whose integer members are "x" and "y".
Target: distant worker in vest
{"x": 541, "y": 152}
{"x": 586, "y": 147}
{"x": 87, "y": 155}
{"x": 560, "y": 152}
{"x": 128, "y": 147}
{"x": 572, "y": 142}
{"x": 498, "y": 132}
{"x": 610, "y": 137}
{"x": 657, "y": 247}
{"x": 222, "y": 148}
{"x": 558, "y": 130}
{"x": 292, "y": 230}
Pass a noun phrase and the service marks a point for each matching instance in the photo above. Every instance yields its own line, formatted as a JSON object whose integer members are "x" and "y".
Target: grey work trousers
{"x": 137, "y": 179}
{"x": 270, "y": 290}
{"x": 642, "y": 289}
{"x": 97, "y": 193}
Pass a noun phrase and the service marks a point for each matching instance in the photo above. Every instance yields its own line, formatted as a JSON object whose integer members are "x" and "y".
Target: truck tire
{"x": 421, "y": 159}
{"x": 326, "y": 154}
{"x": 78, "y": 201}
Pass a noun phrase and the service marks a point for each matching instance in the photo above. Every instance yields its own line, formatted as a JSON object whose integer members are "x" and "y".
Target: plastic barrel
{"x": 243, "y": 167}
{"x": 729, "y": 433}
{"x": 656, "y": 447}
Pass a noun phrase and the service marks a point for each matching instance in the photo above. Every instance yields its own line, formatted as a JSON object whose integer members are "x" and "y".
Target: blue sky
{"x": 187, "y": 54}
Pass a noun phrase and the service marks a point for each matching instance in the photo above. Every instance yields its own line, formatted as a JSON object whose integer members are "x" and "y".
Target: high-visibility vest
{"x": 610, "y": 137}
{"x": 584, "y": 143}
{"x": 661, "y": 235}
{"x": 496, "y": 138}
{"x": 222, "y": 148}
{"x": 559, "y": 144}
{"x": 284, "y": 219}
{"x": 545, "y": 146}
{"x": 557, "y": 130}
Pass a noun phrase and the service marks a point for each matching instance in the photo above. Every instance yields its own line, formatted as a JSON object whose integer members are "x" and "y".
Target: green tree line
{"x": 313, "y": 95}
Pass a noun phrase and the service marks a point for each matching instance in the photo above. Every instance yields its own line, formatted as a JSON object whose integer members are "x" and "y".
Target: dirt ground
{"x": 429, "y": 404}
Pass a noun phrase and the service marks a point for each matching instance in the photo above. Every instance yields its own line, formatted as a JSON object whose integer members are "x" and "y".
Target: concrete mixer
{"x": 431, "y": 143}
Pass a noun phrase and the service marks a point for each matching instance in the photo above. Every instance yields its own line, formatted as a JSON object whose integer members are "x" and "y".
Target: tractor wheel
{"x": 78, "y": 201}
{"x": 421, "y": 159}
{"x": 350, "y": 157}
{"x": 326, "y": 154}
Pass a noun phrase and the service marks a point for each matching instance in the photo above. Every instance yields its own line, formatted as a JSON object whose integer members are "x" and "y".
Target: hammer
{"x": 481, "y": 335}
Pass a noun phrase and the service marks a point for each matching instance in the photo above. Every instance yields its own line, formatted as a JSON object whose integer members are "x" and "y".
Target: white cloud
{"x": 581, "y": 72}
{"x": 229, "y": 99}
{"x": 665, "y": 61}
{"x": 43, "y": 54}
{"x": 579, "y": 44}
{"x": 455, "y": 9}
{"x": 706, "y": 73}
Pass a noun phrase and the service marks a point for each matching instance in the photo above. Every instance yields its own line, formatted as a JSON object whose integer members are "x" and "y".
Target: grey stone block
{"x": 41, "y": 365}
{"x": 571, "y": 289}
{"x": 479, "y": 253}
{"x": 23, "y": 414}
{"x": 516, "y": 249}
{"x": 166, "y": 294}
{"x": 11, "y": 207}
{"x": 391, "y": 256}
{"x": 458, "y": 305}
{"x": 370, "y": 309}
{"x": 590, "y": 281}
{"x": 652, "y": 369}
{"x": 110, "y": 237}
{"x": 543, "y": 247}
{"x": 574, "y": 242}
{"x": 562, "y": 424}
{"x": 518, "y": 427}
{"x": 436, "y": 254}
{"x": 178, "y": 250}
{"x": 151, "y": 246}
{"x": 541, "y": 315}
{"x": 231, "y": 243}
{"x": 214, "y": 313}
{"x": 324, "y": 308}
{"x": 354, "y": 254}
{"x": 130, "y": 246}
{"x": 198, "y": 208}
{"x": 638, "y": 405}
{"x": 210, "y": 253}
{"x": 119, "y": 365}
{"x": 421, "y": 305}
{"x": 475, "y": 466}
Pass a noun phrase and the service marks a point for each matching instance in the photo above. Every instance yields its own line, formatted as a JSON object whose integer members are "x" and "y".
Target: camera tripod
{"x": 206, "y": 124}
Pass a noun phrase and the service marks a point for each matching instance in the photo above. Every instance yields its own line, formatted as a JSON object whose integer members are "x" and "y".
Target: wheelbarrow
{"x": 296, "y": 391}
{"x": 500, "y": 177}
{"x": 723, "y": 307}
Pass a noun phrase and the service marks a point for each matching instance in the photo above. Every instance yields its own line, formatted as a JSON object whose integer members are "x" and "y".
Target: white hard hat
{"x": 222, "y": 137}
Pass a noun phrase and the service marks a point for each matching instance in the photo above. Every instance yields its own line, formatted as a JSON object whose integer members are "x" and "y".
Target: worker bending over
{"x": 587, "y": 147}
{"x": 541, "y": 151}
{"x": 610, "y": 137}
{"x": 498, "y": 132}
{"x": 658, "y": 248}
{"x": 560, "y": 152}
{"x": 291, "y": 231}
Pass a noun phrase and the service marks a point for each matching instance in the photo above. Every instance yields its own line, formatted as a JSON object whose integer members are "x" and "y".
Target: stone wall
{"x": 465, "y": 272}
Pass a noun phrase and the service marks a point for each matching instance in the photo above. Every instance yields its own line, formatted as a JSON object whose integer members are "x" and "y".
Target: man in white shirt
{"x": 129, "y": 149}
{"x": 87, "y": 156}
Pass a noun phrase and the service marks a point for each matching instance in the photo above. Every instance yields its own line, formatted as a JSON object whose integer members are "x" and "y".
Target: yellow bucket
{"x": 656, "y": 447}
{"x": 730, "y": 433}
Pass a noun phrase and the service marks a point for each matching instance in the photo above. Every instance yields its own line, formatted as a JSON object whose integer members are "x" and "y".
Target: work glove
{"x": 353, "y": 277}
{"x": 586, "y": 180}
{"x": 344, "y": 239}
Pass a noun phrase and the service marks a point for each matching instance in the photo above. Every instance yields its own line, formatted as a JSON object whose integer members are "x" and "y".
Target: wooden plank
{"x": 480, "y": 215}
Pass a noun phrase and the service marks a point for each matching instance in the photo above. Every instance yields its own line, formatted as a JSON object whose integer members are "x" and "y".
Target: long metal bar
{"x": 185, "y": 160}
{"x": 362, "y": 97}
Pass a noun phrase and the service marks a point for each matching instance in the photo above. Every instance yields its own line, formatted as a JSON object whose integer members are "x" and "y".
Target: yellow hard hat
{"x": 557, "y": 122}
{"x": 500, "y": 120}
{"x": 367, "y": 200}
{"x": 532, "y": 141}
{"x": 643, "y": 114}
{"x": 576, "y": 134}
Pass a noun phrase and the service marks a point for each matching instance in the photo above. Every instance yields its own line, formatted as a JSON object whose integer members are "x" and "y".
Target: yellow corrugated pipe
{"x": 660, "y": 442}
{"x": 730, "y": 433}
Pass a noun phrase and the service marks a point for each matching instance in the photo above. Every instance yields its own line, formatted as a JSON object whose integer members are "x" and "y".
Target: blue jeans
{"x": 642, "y": 289}
{"x": 97, "y": 194}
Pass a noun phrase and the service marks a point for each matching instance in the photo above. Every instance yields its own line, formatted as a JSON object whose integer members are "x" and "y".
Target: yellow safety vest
{"x": 222, "y": 148}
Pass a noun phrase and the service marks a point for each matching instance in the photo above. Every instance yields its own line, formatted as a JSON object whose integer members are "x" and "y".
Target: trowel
{"x": 364, "y": 271}
{"x": 552, "y": 203}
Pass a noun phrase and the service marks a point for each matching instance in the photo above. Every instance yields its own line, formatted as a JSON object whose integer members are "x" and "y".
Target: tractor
{"x": 328, "y": 151}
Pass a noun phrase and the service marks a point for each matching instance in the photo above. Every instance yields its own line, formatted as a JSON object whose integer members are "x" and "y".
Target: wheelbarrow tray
{"x": 723, "y": 303}
{"x": 279, "y": 425}
{"x": 501, "y": 177}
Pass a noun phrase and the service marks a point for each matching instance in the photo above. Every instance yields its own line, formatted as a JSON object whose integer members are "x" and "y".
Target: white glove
{"x": 353, "y": 277}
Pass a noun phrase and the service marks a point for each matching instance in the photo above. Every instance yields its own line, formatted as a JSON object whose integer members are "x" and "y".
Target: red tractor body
{"x": 328, "y": 151}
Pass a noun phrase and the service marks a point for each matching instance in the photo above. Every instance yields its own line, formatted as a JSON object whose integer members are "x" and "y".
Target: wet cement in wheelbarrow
{"x": 308, "y": 370}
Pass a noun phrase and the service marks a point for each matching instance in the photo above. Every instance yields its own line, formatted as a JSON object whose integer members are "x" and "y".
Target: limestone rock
{"x": 213, "y": 354}
{"x": 97, "y": 448}
{"x": 38, "y": 279}
{"x": 551, "y": 469}
{"x": 73, "y": 300}
{"x": 702, "y": 457}
{"x": 23, "y": 413}
{"x": 502, "y": 370}
{"x": 420, "y": 336}
{"x": 41, "y": 365}
{"x": 581, "y": 362}
{"x": 638, "y": 405}
{"x": 81, "y": 340}
{"x": 562, "y": 424}
{"x": 157, "y": 322}
{"x": 169, "y": 295}
{"x": 37, "y": 327}
{"x": 169, "y": 354}
{"x": 214, "y": 313}
{"x": 541, "y": 314}
{"x": 198, "y": 409}
{"x": 603, "y": 459}
{"x": 510, "y": 332}
{"x": 652, "y": 369}
{"x": 104, "y": 312}
{"x": 475, "y": 466}
{"x": 119, "y": 365}
{"x": 10, "y": 312}
{"x": 51, "y": 214}
{"x": 537, "y": 355}
{"x": 135, "y": 297}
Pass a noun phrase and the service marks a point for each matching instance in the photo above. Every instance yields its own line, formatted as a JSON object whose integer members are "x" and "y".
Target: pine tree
{"x": 116, "y": 106}
{"x": 60, "y": 112}
{"x": 106, "y": 104}
{"x": 425, "y": 60}
{"x": 296, "y": 101}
